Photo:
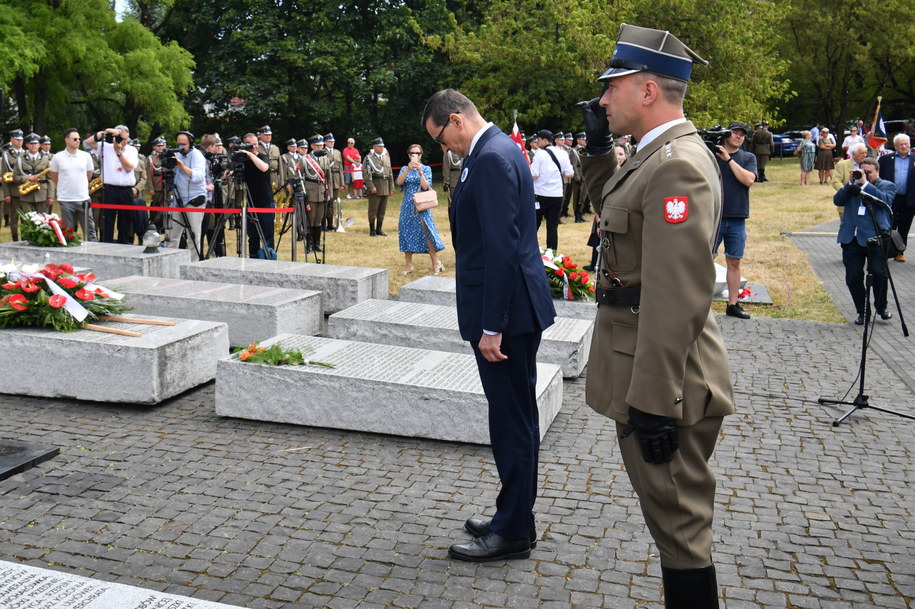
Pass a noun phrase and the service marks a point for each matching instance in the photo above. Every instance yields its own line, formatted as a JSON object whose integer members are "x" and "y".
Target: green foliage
{"x": 276, "y": 355}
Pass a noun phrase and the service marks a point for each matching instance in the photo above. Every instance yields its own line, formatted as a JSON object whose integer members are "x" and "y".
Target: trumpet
{"x": 8, "y": 177}
{"x": 28, "y": 187}
{"x": 94, "y": 185}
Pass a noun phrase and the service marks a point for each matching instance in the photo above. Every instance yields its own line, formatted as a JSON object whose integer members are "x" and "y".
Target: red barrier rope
{"x": 195, "y": 210}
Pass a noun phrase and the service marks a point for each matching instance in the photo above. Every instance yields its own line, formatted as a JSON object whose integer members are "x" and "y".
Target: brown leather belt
{"x": 618, "y": 296}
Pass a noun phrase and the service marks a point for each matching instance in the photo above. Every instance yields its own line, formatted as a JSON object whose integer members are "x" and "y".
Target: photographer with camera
{"x": 217, "y": 169}
{"x": 255, "y": 169}
{"x": 738, "y": 173}
{"x": 118, "y": 160}
{"x": 190, "y": 192}
{"x": 860, "y": 242}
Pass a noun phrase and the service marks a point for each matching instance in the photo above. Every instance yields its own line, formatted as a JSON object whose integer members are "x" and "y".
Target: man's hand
{"x": 657, "y": 435}
{"x": 598, "y": 131}
{"x": 854, "y": 189}
{"x": 374, "y": 191}
{"x": 722, "y": 154}
{"x": 490, "y": 347}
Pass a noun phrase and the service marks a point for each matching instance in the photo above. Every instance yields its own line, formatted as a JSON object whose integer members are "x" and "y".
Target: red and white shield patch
{"x": 676, "y": 209}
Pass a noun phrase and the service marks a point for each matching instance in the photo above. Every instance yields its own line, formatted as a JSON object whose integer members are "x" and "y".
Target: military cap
{"x": 290, "y": 141}
{"x": 264, "y": 129}
{"x": 757, "y": 125}
{"x": 302, "y": 143}
{"x": 545, "y": 134}
{"x": 581, "y": 135}
{"x": 738, "y": 125}
{"x": 234, "y": 140}
{"x": 377, "y": 142}
{"x": 765, "y": 123}
{"x": 32, "y": 138}
{"x": 218, "y": 140}
{"x": 16, "y": 134}
{"x": 135, "y": 143}
{"x": 640, "y": 49}
{"x": 45, "y": 139}
{"x": 159, "y": 141}
{"x": 329, "y": 138}
{"x": 316, "y": 139}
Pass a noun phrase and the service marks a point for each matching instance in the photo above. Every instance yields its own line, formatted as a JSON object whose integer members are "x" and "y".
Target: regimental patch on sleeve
{"x": 676, "y": 209}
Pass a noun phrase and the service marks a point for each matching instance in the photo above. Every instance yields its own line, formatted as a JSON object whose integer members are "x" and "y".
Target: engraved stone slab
{"x": 16, "y": 457}
{"x": 102, "y": 367}
{"x": 411, "y": 324}
{"x": 374, "y": 388}
{"x": 442, "y": 290}
{"x": 252, "y": 312}
{"x": 26, "y": 587}
{"x": 105, "y": 259}
{"x": 342, "y": 286}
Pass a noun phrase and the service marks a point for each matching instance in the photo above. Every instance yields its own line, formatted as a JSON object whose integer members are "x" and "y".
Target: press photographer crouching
{"x": 118, "y": 160}
{"x": 858, "y": 235}
{"x": 190, "y": 169}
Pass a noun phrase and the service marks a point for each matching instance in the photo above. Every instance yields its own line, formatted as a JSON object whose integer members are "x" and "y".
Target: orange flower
{"x": 19, "y": 302}
{"x": 252, "y": 347}
{"x": 244, "y": 355}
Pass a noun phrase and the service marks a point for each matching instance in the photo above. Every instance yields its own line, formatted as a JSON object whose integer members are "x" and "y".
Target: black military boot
{"x": 690, "y": 588}
{"x": 316, "y": 236}
{"x": 380, "y": 232}
{"x": 372, "y": 232}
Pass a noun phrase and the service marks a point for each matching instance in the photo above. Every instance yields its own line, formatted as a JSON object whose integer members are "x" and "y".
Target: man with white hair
{"x": 118, "y": 160}
{"x": 899, "y": 168}
{"x": 842, "y": 172}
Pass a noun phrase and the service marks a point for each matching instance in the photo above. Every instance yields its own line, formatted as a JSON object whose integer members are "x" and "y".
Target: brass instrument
{"x": 30, "y": 186}
{"x": 8, "y": 177}
{"x": 95, "y": 185}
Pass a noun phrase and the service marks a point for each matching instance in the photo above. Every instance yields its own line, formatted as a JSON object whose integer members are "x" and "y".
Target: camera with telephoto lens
{"x": 856, "y": 174}
{"x": 167, "y": 157}
{"x": 111, "y": 138}
{"x": 239, "y": 157}
{"x": 714, "y": 137}
{"x": 219, "y": 164}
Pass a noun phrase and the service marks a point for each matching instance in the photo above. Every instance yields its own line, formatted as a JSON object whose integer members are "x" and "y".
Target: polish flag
{"x": 516, "y": 136}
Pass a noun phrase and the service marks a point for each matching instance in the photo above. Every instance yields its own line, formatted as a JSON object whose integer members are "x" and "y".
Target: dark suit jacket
{"x": 501, "y": 282}
{"x": 888, "y": 172}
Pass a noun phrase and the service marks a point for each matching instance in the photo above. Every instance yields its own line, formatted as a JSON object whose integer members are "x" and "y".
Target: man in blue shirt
{"x": 190, "y": 192}
{"x": 857, "y": 229}
{"x": 899, "y": 168}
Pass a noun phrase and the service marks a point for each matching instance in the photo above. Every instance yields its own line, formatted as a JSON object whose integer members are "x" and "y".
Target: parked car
{"x": 898, "y": 126}
{"x": 784, "y": 145}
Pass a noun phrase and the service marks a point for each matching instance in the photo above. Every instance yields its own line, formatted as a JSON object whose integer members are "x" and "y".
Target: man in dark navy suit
{"x": 899, "y": 168}
{"x": 503, "y": 306}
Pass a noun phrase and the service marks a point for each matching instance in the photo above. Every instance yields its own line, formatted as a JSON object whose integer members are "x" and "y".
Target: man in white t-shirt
{"x": 547, "y": 169}
{"x": 71, "y": 170}
{"x": 118, "y": 161}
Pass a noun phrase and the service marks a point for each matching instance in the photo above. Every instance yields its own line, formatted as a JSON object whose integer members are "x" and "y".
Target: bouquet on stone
{"x": 275, "y": 355}
{"x": 55, "y": 297}
{"x": 47, "y": 230}
{"x": 567, "y": 280}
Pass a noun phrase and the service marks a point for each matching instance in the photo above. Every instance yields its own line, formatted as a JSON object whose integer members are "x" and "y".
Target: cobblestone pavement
{"x": 177, "y": 499}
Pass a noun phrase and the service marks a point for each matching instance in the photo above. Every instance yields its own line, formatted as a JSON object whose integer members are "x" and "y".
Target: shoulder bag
{"x": 425, "y": 199}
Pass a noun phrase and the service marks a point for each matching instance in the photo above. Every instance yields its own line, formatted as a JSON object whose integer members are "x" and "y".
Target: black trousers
{"x": 266, "y": 221}
{"x": 902, "y": 217}
{"x": 854, "y": 257}
{"x": 514, "y": 430}
{"x": 550, "y": 208}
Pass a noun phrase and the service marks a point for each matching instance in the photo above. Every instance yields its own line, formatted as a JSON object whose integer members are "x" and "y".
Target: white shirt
{"x": 548, "y": 179}
{"x": 654, "y": 133}
{"x": 71, "y": 170}
{"x": 112, "y": 171}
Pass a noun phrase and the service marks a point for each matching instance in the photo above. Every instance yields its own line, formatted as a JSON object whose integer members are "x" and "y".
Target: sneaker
{"x": 349, "y": 197}
{"x": 734, "y": 310}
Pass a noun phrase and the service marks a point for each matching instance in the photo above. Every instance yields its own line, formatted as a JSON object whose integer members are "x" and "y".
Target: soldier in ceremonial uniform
{"x": 335, "y": 179}
{"x": 32, "y": 167}
{"x": 573, "y": 189}
{"x": 141, "y": 218}
{"x": 316, "y": 170}
{"x": 658, "y": 365}
{"x": 44, "y": 143}
{"x": 11, "y": 154}
{"x": 379, "y": 184}
{"x": 155, "y": 181}
{"x": 584, "y": 203}
{"x": 264, "y": 145}
{"x": 290, "y": 168}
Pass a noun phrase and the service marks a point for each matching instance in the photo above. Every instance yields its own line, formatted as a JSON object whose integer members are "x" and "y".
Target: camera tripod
{"x": 173, "y": 199}
{"x": 875, "y": 252}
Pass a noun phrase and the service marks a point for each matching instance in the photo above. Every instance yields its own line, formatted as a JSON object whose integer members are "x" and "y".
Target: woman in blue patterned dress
{"x": 417, "y": 229}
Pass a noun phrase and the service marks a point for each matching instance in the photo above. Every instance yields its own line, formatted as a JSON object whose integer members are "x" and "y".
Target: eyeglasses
{"x": 438, "y": 139}
{"x": 74, "y": 138}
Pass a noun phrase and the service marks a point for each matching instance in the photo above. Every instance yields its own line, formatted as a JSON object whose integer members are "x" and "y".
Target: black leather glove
{"x": 854, "y": 189}
{"x": 657, "y": 435}
{"x": 596, "y": 128}
{"x": 319, "y": 153}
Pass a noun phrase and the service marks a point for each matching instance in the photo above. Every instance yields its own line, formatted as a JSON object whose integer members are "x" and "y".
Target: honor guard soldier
{"x": 289, "y": 169}
{"x": 658, "y": 365}
{"x": 141, "y": 219}
{"x": 584, "y": 203}
{"x": 265, "y": 137}
{"x": 379, "y": 183}
{"x": 316, "y": 171}
{"x": 337, "y": 186}
{"x": 44, "y": 143}
{"x": 451, "y": 172}
{"x": 156, "y": 180}
{"x": 573, "y": 189}
{"x": 32, "y": 168}
{"x": 11, "y": 154}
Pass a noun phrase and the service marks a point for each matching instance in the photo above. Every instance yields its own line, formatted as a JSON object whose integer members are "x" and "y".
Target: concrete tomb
{"x": 341, "y": 286}
{"x": 252, "y": 312}
{"x": 411, "y": 324}
{"x": 105, "y": 259}
{"x": 373, "y": 388}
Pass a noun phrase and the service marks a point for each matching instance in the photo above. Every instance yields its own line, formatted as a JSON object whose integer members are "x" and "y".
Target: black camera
{"x": 111, "y": 138}
{"x": 714, "y": 137}
{"x": 168, "y": 159}
{"x": 298, "y": 189}
{"x": 856, "y": 174}
{"x": 219, "y": 164}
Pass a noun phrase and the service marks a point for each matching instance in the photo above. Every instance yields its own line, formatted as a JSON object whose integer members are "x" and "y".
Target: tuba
{"x": 28, "y": 187}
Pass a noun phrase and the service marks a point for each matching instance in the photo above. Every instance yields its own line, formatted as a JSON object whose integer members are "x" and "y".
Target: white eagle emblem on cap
{"x": 676, "y": 209}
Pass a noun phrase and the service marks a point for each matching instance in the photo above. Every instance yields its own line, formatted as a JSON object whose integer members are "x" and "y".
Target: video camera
{"x": 167, "y": 158}
{"x": 219, "y": 164}
{"x": 714, "y": 137}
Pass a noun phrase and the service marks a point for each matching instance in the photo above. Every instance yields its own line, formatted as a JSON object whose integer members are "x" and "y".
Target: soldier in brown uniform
{"x": 155, "y": 181}
{"x": 658, "y": 366}
{"x": 265, "y": 146}
{"x": 337, "y": 186}
{"x": 44, "y": 145}
{"x": 316, "y": 171}
{"x": 11, "y": 153}
{"x": 583, "y": 205}
{"x": 763, "y": 146}
{"x": 379, "y": 183}
{"x": 32, "y": 167}
{"x": 290, "y": 169}
{"x": 141, "y": 217}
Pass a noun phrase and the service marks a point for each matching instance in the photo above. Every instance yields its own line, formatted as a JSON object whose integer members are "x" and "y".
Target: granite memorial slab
{"x": 412, "y": 324}
{"x": 252, "y": 312}
{"x": 341, "y": 286}
{"x": 442, "y": 290}
{"x": 90, "y": 365}
{"x": 372, "y": 388}
{"x": 105, "y": 259}
{"x": 17, "y": 457}
{"x": 27, "y": 587}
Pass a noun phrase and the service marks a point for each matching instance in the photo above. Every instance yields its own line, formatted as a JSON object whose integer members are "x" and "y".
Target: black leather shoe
{"x": 588, "y": 267}
{"x": 490, "y": 547}
{"x": 381, "y": 233}
{"x": 690, "y": 588}
{"x": 372, "y": 232}
{"x": 479, "y": 527}
{"x": 859, "y": 320}
{"x": 734, "y": 310}
{"x": 884, "y": 314}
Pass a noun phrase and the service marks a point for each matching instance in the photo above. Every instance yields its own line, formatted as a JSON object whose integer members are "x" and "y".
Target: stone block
{"x": 341, "y": 286}
{"x": 106, "y": 260}
{"x": 253, "y": 313}
{"x": 373, "y": 388}
{"x": 411, "y": 324}
{"x": 102, "y": 367}
{"x": 441, "y": 291}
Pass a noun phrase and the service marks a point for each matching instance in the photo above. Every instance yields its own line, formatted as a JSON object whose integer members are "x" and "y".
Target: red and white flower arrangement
{"x": 567, "y": 280}
{"x": 46, "y": 230}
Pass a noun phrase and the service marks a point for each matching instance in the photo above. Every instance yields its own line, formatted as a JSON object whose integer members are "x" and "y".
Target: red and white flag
{"x": 516, "y": 136}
